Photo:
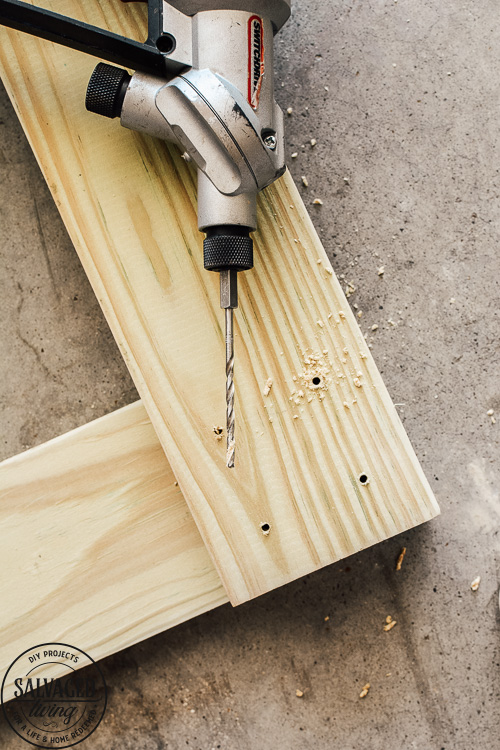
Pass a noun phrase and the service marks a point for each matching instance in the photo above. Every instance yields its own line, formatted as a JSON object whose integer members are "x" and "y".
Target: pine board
{"x": 129, "y": 204}
{"x": 98, "y": 548}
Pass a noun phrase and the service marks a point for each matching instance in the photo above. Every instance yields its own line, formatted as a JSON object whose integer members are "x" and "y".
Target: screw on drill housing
{"x": 269, "y": 139}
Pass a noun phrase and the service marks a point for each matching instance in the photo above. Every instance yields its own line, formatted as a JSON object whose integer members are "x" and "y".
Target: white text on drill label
{"x": 255, "y": 59}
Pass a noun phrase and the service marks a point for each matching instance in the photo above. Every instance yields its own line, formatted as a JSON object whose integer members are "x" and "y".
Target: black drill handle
{"x": 149, "y": 57}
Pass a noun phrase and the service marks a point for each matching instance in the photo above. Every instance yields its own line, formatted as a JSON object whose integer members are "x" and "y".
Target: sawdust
{"x": 299, "y": 693}
{"x": 305, "y": 181}
{"x": 219, "y": 431}
{"x": 389, "y": 623}
{"x": 399, "y": 561}
{"x": 365, "y": 690}
{"x": 315, "y": 377}
{"x": 317, "y": 202}
{"x": 267, "y": 387}
{"x": 475, "y": 583}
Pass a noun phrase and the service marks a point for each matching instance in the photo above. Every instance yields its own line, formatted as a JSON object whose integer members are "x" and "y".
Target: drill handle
{"x": 148, "y": 57}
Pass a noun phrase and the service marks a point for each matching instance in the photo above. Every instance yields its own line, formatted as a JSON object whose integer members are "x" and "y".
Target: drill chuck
{"x": 228, "y": 247}
{"x": 106, "y": 90}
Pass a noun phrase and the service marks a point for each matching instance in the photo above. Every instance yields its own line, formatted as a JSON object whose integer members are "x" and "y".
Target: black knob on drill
{"x": 228, "y": 247}
{"x": 106, "y": 90}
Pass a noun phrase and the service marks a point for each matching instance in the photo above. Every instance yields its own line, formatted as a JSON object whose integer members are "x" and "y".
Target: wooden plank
{"x": 129, "y": 204}
{"x": 97, "y": 545}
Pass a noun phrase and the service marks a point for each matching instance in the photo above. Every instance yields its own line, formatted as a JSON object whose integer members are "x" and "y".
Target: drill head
{"x": 228, "y": 301}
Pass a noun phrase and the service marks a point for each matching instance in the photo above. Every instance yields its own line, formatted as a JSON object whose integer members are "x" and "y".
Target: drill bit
{"x": 229, "y": 301}
{"x": 230, "y": 388}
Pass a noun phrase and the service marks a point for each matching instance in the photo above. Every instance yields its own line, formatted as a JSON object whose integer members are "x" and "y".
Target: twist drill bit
{"x": 230, "y": 388}
{"x": 229, "y": 301}
{"x": 228, "y": 250}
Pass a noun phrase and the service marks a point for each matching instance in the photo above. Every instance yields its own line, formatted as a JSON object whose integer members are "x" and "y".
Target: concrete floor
{"x": 407, "y": 165}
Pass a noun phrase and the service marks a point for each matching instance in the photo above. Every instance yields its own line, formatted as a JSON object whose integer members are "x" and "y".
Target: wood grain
{"x": 98, "y": 547}
{"x": 129, "y": 204}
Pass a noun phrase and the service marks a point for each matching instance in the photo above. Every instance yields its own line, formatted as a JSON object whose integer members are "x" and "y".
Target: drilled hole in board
{"x": 266, "y": 528}
{"x": 364, "y": 479}
{"x": 316, "y": 381}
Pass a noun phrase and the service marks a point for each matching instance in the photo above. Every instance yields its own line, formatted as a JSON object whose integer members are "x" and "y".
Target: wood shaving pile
{"x": 316, "y": 366}
{"x": 350, "y": 289}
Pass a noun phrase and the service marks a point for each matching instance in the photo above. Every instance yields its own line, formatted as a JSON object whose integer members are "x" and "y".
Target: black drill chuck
{"x": 228, "y": 247}
{"x": 106, "y": 90}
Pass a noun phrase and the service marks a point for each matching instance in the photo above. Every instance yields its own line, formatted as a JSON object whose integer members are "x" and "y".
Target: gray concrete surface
{"x": 407, "y": 165}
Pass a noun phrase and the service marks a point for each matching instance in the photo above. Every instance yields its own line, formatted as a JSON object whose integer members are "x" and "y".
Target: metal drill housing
{"x": 220, "y": 111}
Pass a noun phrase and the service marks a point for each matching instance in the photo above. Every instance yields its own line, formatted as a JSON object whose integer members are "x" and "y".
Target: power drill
{"x": 203, "y": 81}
